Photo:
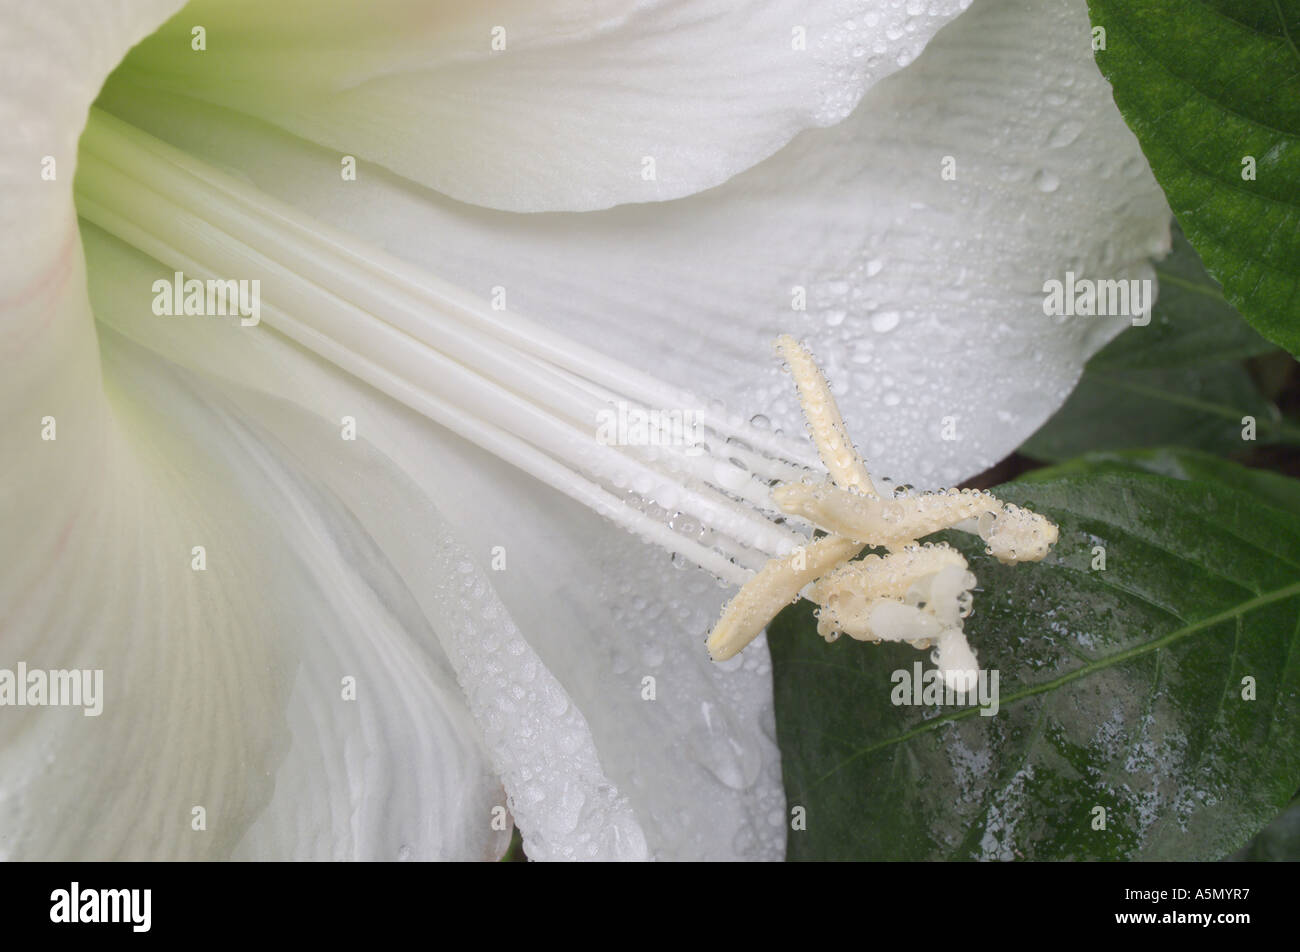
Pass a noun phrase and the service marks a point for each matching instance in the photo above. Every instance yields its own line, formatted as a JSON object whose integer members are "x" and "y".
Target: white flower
{"x": 199, "y": 530}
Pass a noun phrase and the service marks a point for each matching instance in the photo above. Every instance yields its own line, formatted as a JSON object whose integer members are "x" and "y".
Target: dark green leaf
{"x": 1279, "y": 842}
{"x": 1197, "y": 407}
{"x": 1176, "y": 381}
{"x": 1265, "y": 486}
{"x": 515, "y": 851}
{"x": 1191, "y": 325}
{"x": 1120, "y": 688}
{"x": 1208, "y": 87}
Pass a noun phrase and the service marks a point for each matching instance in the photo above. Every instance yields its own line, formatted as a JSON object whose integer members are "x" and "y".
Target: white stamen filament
{"x": 518, "y": 390}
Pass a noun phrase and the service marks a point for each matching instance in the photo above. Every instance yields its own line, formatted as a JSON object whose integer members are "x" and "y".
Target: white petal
{"x": 924, "y": 296}
{"x": 53, "y": 60}
{"x": 222, "y": 687}
{"x": 206, "y": 703}
{"x": 536, "y": 739}
{"x": 236, "y": 682}
{"x": 565, "y": 115}
{"x": 54, "y": 57}
{"x": 594, "y": 770}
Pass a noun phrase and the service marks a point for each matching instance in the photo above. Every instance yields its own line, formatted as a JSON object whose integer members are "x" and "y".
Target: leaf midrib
{"x": 1286, "y": 30}
{"x": 1213, "y": 292}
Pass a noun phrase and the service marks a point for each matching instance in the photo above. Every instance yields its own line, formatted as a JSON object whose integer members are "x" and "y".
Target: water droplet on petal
{"x": 885, "y": 321}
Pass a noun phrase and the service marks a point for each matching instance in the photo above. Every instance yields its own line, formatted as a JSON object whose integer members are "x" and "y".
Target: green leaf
{"x": 1119, "y": 688}
{"x": 1195, "y": 407}
{"x": 1208, "y": 86}
{"x": 1192, "y": 324}
{"x": 1265, "y": 486}
{"x": 515, "y": 851}
{"x": 1176, "y": 381}
{"x": 1279, "y": 842}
